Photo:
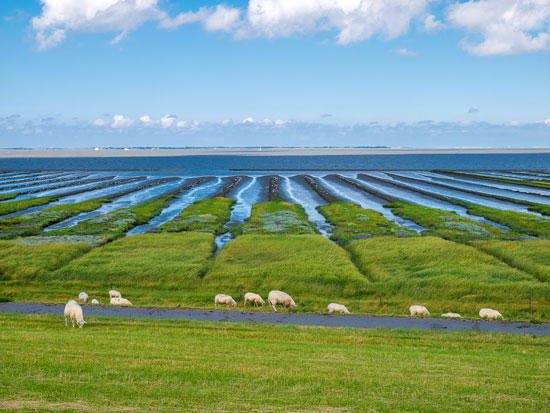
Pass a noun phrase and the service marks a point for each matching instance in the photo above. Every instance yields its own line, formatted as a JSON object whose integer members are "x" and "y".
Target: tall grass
{"x": 532, "y": 257}
{"x": 206, "y": 215}
{"x": 351, "y": 222}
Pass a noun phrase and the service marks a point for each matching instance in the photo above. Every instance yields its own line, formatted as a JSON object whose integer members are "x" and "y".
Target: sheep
{"x": 224, "y": 299}
{"x": 253, "y": 298}
{"x": 94, "y": 301}
{"x": 114, "y": 293}
{"x": 451, "y": 315}
{"x": 418, "y": 310}
{"x": 73, "y": 310}
{"x": 490, "y": 314}
{"x": 83, "y": 297}
{"x": 338, "y": 308}
{"x": 120, "y": 301}
{"x": 278, "y": 297}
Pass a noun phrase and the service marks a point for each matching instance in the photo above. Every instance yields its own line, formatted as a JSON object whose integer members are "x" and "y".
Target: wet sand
{"x": 89, "y": 152}
{"x": 319, "y": 320}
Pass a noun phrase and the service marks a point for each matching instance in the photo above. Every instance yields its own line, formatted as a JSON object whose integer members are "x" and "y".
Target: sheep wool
{"x": 418, "y": 310}
{"x": 83, "y": 297}
{"x": 225, "y": 300}
{"x": 280, "y": 298}
{"x": 114, "y": 293}
{"x": 490, "y": 314}
{"x": 337, "y": 308}
{"x": 253, "y": 298}
{"x": 120, "y": 301}
{"x": 73, "y": 310}
{"x": 451, "y": 315}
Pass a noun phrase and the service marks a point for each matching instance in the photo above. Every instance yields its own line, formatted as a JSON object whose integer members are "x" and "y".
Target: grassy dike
{"x": 352, "y": 222}
{"x": 121, "y": 364}
{"x": 13, "y": 206}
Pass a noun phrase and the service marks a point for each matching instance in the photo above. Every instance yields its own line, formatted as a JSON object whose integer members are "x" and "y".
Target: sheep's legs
{"x": 65, "y": 321}
{"x": 73, "y": 323}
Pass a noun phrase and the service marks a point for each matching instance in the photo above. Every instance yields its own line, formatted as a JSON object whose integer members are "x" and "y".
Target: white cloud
{"x": 512, "y": 123}
{"x": 100, "y": 122}
{"x": 61, "y": 16}
{"x": 405, "y": 52}
{"x": 248, "y": 120}
{"x": 119, "y": 121}
{"x": 547, "y": 122}
{"x": 354, "y": 20}
{"x": 145, "y": 119}
{"x": 505, "y": 26}
{"x": 431, "y": 24}
{"x": 167, "y": 121}
{"x": 219, "y": 18}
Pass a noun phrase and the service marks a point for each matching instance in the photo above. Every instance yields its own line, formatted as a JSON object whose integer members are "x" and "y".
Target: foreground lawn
{"x": 121, "y": 364}
{"x": 446, "y": 276}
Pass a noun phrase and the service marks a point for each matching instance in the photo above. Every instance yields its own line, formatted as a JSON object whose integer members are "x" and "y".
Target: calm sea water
{"x": 222, "y": 163}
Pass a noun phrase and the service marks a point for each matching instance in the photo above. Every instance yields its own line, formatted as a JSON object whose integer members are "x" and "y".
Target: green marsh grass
{"x": 4, "y": 197}
{"x": 532, "y": 257}
{"x": 541, "y": 209}
{"x": 14, "y": 206}
{"x": 351, "y": 222}
{"x": 206, "y": 215}
{"x": 32, "y": 223}
{"x": 276, "y": 217}
{"x": 447, "y": 276}
{"x": 160, "y": 365}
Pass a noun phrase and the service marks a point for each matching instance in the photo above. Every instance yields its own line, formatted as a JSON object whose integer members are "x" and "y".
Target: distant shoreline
{"x": 111, "y": 153}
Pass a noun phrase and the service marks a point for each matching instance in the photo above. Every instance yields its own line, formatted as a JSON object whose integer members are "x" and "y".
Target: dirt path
{"x": 321, "y": 320}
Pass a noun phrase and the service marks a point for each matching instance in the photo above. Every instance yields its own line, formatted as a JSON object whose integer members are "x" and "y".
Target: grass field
{"x": 276, "y": 217}
{"x": 309, "y": 267}
{"x": 14, "y": 206}
{"x": 351, "y": 222}
{"x": 146, "y": 365}
{"x": 447, "y": 224}
{"x": 446, "y": 276}
{"x": 32, "y": 223}
{"x": 532, "y": 257}
{"x": 206, "y": 215}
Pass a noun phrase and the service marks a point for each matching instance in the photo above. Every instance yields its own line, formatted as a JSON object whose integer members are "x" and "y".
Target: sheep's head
{"x": 81, "y": 323}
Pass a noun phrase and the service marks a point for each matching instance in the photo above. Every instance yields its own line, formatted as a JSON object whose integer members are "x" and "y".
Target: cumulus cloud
{"x": 505, "y": 26}
{"x": 547, "y": 122}
{"x": 119, "y": 121}
{"x": 59, "y": 17}
{"x": 167, "y": 120}
{"x": 100, "y": 122}
{"x": 248, "y": 120}
{"x": 431, "y": 24}
{"x": 405, "y": 52}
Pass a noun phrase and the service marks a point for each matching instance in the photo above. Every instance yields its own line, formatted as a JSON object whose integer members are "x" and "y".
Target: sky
{"x": 404, "y": 73}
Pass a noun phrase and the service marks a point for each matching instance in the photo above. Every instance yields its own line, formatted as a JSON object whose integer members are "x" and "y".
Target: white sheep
{"x": 451, "y": 315}
{"x": 120, "y": 301}
{"x": 224, "y": 299}
{"x": 83, "y": 297}
{"x": 94, "y": 301}
{"x": 337, "y": 308}
{"x": 490, "y": 314}
{"x": 253, "y": 298}
{"x": 73, "y": 310}
{"x": 278, "y": 297}
{"x": 418, "y": 310}
{"x": 114, "y": 293}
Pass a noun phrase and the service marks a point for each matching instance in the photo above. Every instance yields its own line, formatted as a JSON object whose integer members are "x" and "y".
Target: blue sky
{"x": 419, "y": 73}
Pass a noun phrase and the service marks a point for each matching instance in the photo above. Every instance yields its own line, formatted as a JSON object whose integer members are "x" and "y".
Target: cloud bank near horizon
{"x": 491, "y": 27}
{"x": 119, "y": 130}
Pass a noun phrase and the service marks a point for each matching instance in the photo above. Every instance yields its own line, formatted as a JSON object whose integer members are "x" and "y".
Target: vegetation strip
{"x": 322, "y": 192}
{"x": 44, "y": 178}
{"x": 274, "y": 194}
{"x": 10, "y": 207}
{"x": 466, "y": 191}
{"x": 522, "y": 183}
{"x": 206, "y": 215}
{"x": 351, "y": 222}
{"x": 66, "y": 185}
{"x": 4, "y": 197}
{"x": 276, "y": 217}
{"x": 50, "y": 181}
{"x": 313, "y": 320}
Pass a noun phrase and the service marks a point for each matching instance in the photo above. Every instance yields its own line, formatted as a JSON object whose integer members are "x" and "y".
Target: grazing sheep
{"x": 451, "y": 315}
{"x": 83, "y": 297}
{"x": 337, "y": 308}
{"x": 73, "y": 310}
{"x": 224, "y": 299}
{"x": 490, "y": 314}
{"x": 278, "y": 297}
{"x": 418, "y": 310}
{"x": 114, "y": 293}
{"x": 94, "y": 301}
{"x": 253, "y": 298}
{"x": 120, "y": 301}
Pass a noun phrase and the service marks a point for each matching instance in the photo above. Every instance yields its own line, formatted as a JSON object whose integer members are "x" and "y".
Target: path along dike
{"x": 319, "y": 320}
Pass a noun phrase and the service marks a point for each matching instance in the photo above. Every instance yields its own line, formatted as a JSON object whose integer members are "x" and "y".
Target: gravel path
{"x": 322, "y": 320}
